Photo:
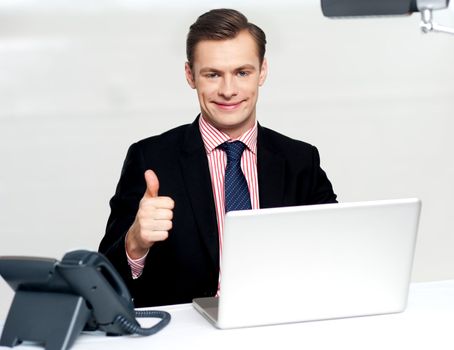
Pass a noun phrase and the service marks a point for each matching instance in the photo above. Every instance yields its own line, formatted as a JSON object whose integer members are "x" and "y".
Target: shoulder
{"x": 166, "y": 143}
{"x": 171, "y": 137}
{"x": 280, "y": 143}
{"x": 158, "y": 147}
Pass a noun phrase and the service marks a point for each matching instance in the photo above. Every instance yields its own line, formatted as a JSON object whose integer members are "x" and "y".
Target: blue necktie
{"x": 236, "y": 191}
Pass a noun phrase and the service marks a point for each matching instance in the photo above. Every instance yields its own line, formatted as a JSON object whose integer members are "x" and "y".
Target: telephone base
{"x": 52, "y": 319}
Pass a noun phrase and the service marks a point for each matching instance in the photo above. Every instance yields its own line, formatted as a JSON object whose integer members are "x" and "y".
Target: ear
{"x": 263, "y": 72}
{"x": 189, "y": 76}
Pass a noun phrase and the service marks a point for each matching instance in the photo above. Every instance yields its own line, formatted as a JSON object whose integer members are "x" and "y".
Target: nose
{"x": 228, "y": 87}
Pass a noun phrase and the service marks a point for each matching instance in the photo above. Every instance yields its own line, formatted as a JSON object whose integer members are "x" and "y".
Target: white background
{"x": 81, "y": 80}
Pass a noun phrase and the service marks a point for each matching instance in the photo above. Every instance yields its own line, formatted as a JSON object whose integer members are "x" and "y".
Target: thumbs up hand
{"x": 153, "y": 220}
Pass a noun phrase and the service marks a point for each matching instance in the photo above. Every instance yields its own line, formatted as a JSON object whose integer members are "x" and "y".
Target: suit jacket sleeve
{"x": 124, "y": 205}
{"x": 322, "y": 190}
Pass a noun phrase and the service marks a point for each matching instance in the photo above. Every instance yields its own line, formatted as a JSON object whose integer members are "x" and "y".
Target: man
{"x": 164, "y": 234}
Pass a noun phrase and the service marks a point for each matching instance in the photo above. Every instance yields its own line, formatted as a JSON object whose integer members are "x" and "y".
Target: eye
{"x": 212, "y": 75}
{"x": 243, "y": 73}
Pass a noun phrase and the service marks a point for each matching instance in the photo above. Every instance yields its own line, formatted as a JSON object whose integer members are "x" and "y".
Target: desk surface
{"x": 428, "y": 323}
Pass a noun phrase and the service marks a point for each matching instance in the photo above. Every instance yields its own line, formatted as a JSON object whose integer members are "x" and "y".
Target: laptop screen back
{"x": 317, "y": 262}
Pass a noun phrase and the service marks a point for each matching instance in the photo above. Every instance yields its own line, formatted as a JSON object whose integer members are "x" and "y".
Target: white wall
{"x": 81, "y": 80}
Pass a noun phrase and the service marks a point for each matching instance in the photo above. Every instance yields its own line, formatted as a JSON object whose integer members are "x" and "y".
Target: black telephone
{"x": 56, "y": 300}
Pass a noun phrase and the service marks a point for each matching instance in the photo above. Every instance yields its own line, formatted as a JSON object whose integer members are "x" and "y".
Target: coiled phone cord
{"x": 131, "y": 328}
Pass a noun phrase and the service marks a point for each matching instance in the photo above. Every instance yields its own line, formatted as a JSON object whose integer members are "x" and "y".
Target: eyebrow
{"x": 243, "y": 67}
{"x": 246, "y": 67}
{"x": 209, "y": 69}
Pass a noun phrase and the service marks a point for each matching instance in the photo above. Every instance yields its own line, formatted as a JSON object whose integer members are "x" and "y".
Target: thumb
{"x": 152, "y": 184}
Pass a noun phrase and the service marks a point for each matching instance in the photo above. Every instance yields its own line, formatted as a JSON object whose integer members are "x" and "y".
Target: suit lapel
{"x": 196, "y": 175}
{"x": 271, "y": 172}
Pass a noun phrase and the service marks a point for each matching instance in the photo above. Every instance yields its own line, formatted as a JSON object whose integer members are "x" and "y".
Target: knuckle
{"x": 157, "y": 236}
{"x": 140, "y": 215}
{"x": 164, "y": 235}
{"x": 143, "y": 202}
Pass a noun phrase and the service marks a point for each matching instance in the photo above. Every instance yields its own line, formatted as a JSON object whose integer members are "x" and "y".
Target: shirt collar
{"x": 213, "y": 137}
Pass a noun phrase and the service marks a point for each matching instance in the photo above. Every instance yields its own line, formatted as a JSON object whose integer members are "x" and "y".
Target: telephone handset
{"x": 83, "y": 291}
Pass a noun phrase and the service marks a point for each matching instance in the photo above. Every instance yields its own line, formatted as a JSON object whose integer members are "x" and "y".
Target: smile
{"x": 228, "y": 106}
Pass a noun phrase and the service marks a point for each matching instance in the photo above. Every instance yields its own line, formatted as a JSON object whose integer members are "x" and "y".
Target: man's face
{"x": 227, "y": 75}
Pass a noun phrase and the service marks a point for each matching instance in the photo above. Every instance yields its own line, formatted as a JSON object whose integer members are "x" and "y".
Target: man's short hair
{"x": 222, "y": 24}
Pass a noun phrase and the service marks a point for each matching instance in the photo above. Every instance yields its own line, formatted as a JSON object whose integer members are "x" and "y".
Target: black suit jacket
{"x": 186, "y": 265}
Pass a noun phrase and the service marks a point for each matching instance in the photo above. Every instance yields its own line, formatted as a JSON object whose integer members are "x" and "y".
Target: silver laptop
{"x": 315, "y": 262}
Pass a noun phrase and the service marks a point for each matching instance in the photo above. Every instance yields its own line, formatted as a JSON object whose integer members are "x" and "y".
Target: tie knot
{"x": 234, "y": 150}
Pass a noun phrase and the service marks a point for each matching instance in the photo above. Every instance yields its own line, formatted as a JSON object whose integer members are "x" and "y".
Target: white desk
{"x": 428, "y": 323}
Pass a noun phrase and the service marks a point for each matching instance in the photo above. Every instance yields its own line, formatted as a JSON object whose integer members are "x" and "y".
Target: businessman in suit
{"x": 164, "y": 233}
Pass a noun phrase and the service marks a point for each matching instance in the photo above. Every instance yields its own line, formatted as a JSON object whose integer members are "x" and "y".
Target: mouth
{"x": 227, "y": 106}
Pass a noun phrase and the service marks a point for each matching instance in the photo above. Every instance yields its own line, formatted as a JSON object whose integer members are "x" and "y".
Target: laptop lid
{"x": 316, "y": 262}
